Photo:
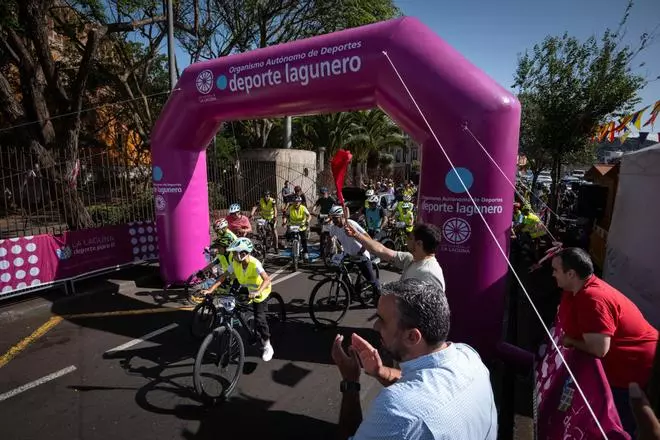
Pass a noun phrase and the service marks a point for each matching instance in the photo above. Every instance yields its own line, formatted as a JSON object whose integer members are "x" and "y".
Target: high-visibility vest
{"x": 408, "y": 218}
{"x": 225, "y": 261}
{"x": 297, "y": 217}
{"x": 249, "y": 277}
{"x": 267, "y": 208}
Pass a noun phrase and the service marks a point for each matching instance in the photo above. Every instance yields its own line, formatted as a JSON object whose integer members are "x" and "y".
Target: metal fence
{"x": 99, "y": 188}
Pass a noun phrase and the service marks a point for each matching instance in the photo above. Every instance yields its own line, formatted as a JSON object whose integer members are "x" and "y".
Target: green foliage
{"x": 567, "y": 88}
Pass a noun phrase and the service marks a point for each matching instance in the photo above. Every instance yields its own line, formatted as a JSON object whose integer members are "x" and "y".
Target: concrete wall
{"x": 297, "y": 166}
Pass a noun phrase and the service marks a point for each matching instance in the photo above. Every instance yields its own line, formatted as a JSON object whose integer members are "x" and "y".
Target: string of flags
{"x": 622, "y": 128}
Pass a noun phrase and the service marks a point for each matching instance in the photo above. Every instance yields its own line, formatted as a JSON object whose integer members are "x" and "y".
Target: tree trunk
{"x": 68, "y": 201}
{"x": 554, "y": 187}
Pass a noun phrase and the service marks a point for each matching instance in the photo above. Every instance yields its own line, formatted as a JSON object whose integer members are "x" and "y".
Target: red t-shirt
{"x": 236, "y": 224}
{"x": 600, "y": 308}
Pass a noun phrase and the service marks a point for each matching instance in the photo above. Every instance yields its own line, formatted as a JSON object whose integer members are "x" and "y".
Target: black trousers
{"x": 367, "y": 269}
{"x": 260, "y": 322}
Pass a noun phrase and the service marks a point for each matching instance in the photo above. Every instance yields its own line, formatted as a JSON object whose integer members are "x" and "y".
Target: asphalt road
{"x": 96, "y": 377}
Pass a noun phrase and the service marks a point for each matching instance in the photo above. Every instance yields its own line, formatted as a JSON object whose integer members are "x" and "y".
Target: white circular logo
{"x": 160, "y": 203}
{"x": 204, "y": 82}
{"x": 456, "y": 230}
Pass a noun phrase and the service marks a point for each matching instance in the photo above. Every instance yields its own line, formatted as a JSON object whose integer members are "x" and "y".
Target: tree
{"x": 52, "y": 57}
{"x": 569, "y": 87}
{"x": 371, "y": 131}
{"x": 216, "y": 28}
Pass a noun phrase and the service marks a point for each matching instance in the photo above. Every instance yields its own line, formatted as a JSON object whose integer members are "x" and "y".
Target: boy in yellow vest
{"x": 268, "y": 210}
{"x": 298, "y": 215}
{"x": 254, "y": 282}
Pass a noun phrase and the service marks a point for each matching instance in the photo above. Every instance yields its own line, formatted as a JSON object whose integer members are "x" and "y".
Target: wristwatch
{"x": 347, "y": 385}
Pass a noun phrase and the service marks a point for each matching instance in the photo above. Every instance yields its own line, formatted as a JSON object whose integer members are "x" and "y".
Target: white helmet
{"x": 407, "y": 198}
{"x": 336, "y": 211}
{"x": 369, "y": 193}
{"x": 234, "y": 208}
{"x": 241, "y": 245}
{"x": 373, "y": 199}
{"x": 220, "y": 224}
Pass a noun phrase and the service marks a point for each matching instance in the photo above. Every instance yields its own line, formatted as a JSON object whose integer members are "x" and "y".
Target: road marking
{"x": 146, "y": 337}
{"x": 280, "y": 270}
{"x": 16, "y": 349}
{"x": 286, "y": 277}
{"x": 37, "y": 382}
{"x": 127, "y": 312}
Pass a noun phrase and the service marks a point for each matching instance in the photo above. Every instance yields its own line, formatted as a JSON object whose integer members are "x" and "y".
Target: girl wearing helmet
{"x": 375, "y": 216}
{"x": 222, "y": 232}
{"x": 368, "y": 194}
{"x": 239, "y": 224}
{"x": 406, "y": 216}
{"x": 255, "y": 283}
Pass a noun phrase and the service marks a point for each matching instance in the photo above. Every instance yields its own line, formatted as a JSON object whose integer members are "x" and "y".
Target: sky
{"x": 491, "y": 33}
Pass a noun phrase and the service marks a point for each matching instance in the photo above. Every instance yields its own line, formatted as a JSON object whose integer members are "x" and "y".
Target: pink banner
{"x": 560, "y": 412}
{"x": 35, "y": 260}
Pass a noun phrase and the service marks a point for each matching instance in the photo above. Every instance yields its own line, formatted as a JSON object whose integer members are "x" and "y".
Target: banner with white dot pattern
{"x": 28, "y": 262}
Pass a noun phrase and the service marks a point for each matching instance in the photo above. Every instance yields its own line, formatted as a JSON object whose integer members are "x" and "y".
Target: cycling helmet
{"x": 241, "y": 245}
{"x": 225, "y": 241}
{"x": 406, "y": 206}
{"x": 324, "y": 190}
{"x": 369, "y": 193}
{"x": 297, "y": 199}
{"x": 373, "y": 199}
{"x": 220, "y": 224}
{"x": 234, "y": 208}
{"x": 407, "y": 198}
{"x": 267, "y": 193}
{"x": 336, "y": 211}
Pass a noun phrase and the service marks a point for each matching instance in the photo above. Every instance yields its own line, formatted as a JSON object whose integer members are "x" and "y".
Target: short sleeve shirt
{"x": 427, "y": 270}
{"x": 600, "y": 308}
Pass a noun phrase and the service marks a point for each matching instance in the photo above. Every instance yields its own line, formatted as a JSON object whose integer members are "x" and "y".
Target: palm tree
{"x": 371, "y": 131}
{"x": 330, "y": 131}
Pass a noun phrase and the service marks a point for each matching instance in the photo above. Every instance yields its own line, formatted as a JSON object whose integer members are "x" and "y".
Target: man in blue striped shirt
{"x": 443, "y": 389}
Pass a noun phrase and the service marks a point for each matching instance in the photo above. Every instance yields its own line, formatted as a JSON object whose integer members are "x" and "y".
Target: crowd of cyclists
{"x": 385, "y": 209}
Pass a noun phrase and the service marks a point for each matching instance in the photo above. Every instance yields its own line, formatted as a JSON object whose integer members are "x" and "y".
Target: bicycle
{"x": 327, "y": 243}
{"x": 224, "y": 346}
{"x": 204, "y": 278}
{"x": 343, "y": 291}
{"x": 264, "y": 237}
{"x": 395, "y": 239}
{"x": 293, "y": 235}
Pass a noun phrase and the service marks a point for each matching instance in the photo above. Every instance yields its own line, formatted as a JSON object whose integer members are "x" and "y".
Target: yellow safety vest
{"x": 408, "y": 218}
{"x": 297, "y": 217}
{"x": 225, "y": 262}
{"x": 267, "y": 209}
{"x": 532, "y": 225}
{"x": 250, "y": 278}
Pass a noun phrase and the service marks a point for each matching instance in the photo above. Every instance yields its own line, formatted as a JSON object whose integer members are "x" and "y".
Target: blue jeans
{"x": 622, "y": 404}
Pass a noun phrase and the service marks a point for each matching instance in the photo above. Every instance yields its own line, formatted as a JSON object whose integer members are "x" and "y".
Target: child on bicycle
{"x": 255, "y": 284}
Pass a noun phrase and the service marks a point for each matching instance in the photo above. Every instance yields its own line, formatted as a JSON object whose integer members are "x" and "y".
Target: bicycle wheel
{"x": 295, "y": 254}
{"x": 203, "y": 319}
{"x": 195, "y": 283}
{"x": 218, "y": 365}
{"x": 329, "y": 302}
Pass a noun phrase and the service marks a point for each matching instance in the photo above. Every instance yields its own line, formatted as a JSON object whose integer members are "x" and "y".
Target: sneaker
{"x": 268, "y": 352}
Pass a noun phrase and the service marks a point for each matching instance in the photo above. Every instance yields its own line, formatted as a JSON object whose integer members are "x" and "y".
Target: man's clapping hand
{"x": 369, "y": 357}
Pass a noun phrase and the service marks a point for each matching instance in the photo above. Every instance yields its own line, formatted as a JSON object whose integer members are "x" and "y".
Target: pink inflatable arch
{"x": 346, "y": 71}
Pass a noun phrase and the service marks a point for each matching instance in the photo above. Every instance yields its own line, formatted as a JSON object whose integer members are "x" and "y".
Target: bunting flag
{"x": 624, "y": 136}
{"x": 623, "y": 123}
{"x": 339, "y": 165}
{"x": 654, "y": 114}
{"x": 637, "y": 118}
{"x": 605, "y": 130}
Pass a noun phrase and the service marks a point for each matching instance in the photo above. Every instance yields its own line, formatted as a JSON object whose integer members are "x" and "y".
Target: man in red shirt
{"x": 600, "y": 320}
{"x": 239, "y": 224}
